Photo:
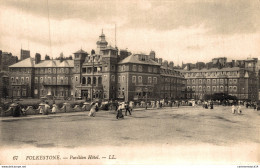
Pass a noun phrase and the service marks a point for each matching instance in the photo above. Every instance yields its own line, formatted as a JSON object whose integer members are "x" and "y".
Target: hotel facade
{"x": 107, "y": 73}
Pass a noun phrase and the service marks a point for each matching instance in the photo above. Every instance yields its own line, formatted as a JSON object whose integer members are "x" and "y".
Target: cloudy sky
{"x": 187, "y": 30}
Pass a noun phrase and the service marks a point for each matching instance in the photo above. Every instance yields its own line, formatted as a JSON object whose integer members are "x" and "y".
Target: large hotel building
{"x": 106, "y": 73}
{"x": 237, "y": 78}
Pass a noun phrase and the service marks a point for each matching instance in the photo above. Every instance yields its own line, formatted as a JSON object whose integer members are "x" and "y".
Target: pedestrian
{"x": 17, "y": 111}
{"x": 158, "y": 104}
{"x": 92, "y": 112}
{"x": 116, "y": 105}
{"x": 54, "y": 108}
{"x": 211, "y": 105}
{"x": 131, "y": 105}
{"x": 127, "y": 109}
{"x": 206, "y": 105}
{"x": 178, "y": 104}
{"x": 96, "y": 107}
{"x": 233, "y": 108}
{"x": 239, "y": 110}
{"x": 47, "y": 108}
{"x": 40, "y": 110}
{"x": 119, "y": 112}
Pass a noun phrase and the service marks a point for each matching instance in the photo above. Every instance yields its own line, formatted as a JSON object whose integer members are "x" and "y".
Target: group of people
{"x": 128, "y": 108}
{"x": 236, "y": 109}
{"x": 207, "y": 105}
{"x": 47, "y": 109}
{"x": 19, "y": 111}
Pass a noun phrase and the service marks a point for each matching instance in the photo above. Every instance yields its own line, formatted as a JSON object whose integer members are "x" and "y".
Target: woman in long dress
{"x": 119, "y": 112}
{"x": 54, "y": 108}
{"x": 92, "y": 112}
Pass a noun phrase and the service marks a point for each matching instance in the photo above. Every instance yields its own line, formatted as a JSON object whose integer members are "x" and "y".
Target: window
{"x": 84, "y": 70}
{"x": 35, "y": 91}
{"x": 113, "y": 78}
{"x": 230, "y": 88}
{"x": 119, "y": 79}
{"x": 27, "y": 80}
{"x": 89, "y": 81}
{"x": 200, "y": 88}
{"x": 123, "y": 78}
{"x": 83, "y": 80}
{"x": 149, "y": 79}
{"x": 214, "y": 81}
{"x": 133, "y": 79}
{"x": 193, "y": 81}
{"x": 208, "y": 81}
{"x": 12, "y": 79}
{"x": 208, "y": 88}
{"x": 134, "y": 67}
{"x": 123, "y": 68}
{"x": 61, "y": 80}
{"x": 150, "y": 69}
{"x": 99, "y": 80}
{"x": 200, "y": 81}
{"x": 235, "y": 81}
{"x": 112, "y": 67}
{"x": 22, "y": 80}
{"x": 234, "y": 88}
{"x": 214, "y": 88}
{"x": 49, "y": 70}
{"x": 54, "y": 80}
{"x": 221, "y": 81}
{"x": 61, "y": 70}
{"x": 94, "y": 80}
{"x": 41, "y": 80}
{"x": 76, "y": 78}
{"x": 49, "y": 80}
{"x": 95, "y": 69}
{"x": 140, "y": 68}
{"x": 221, "y": 88}
{"x": 155, "y": 70}
{"x": 155, "y": 80}
{"x": 140, "y": 79}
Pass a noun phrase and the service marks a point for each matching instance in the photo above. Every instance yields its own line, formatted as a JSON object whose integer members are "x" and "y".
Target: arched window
{"x": 83, "y": 80}
{"x": 99, "y": 80}
{"x": 89, "y": 81}
{"x": 94, "y": 80}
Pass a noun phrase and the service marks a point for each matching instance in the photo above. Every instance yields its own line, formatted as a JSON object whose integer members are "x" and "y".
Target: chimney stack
{"x": 37, "y": 58}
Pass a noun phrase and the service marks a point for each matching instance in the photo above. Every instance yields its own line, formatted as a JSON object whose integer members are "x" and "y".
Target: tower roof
{"x": 81, "y": 52}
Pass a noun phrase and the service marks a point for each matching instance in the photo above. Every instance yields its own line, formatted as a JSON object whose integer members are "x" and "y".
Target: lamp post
{"x": 92, "y": 78}
{"x": 146, "y": 92}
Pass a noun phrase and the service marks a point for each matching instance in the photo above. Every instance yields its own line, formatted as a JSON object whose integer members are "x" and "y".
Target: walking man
{"x": 127, "y": 109}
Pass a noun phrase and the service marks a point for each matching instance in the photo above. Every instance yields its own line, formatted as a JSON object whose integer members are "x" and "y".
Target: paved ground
{"x": 169, "y": 126}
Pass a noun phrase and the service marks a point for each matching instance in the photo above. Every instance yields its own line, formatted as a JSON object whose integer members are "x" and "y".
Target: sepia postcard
{"x": 142, "y": 82}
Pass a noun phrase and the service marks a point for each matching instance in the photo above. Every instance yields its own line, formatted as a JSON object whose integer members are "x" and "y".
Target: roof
{"x": 134, "y": 59}
{"x": 26, "y": 63}
{"x": 80, "y": 52}
{"x": 109, "y": 48}
{"x": 55, "y": 63}
{"x": 212, "y": 70}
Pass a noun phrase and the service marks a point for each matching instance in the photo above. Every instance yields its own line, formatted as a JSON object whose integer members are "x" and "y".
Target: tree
{"x": 47, "y": 57}
{"x": 93, "y": 52}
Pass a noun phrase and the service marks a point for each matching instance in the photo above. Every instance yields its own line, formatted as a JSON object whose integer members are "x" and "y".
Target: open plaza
{"x": 183, "y": 125}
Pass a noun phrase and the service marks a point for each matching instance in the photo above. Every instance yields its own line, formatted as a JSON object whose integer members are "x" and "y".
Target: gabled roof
{"x": 134, "y": 59}
{"x": 81, "y": 52}
{"x": 55, "y": 63}
{"x": 26, "y": 63}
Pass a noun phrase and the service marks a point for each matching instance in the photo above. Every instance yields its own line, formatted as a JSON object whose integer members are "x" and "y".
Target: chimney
{"x": 37, "y": 58}
{"x": 165, "y": 63}
{"x": 171, "y": 65}
{"x": 156, "y": 60}
{"x": 160, "y": 61}
{"x": 152, "y": 55}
